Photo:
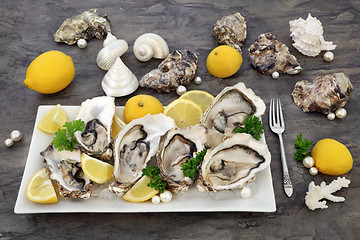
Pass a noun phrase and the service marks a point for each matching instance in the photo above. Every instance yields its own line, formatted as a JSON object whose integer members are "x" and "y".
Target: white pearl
{"x": 8, "y": 142}
{"x": 16, "y": 135}
{"x": 275, "y": 75}
{"x": 340, "y": 113}
{"x": 166, "y": 196}
{"x": 155, "y": 199}
{"x": 245, "y": 192}
{"x": 328, "y": 56}
{"x": 197, "y": 80}
{"x": 308, "y": 162}
{"x": 331, "y": 116}
{"x": 181, "y": 90}
{"x": 313, "y": 171}
{"x": 81, "y": 43}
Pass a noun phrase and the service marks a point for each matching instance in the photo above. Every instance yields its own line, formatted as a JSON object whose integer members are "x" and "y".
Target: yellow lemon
{"x": 140, "y": 105}
{"x": 54, "y": 119}
{"x": 185, "y": 112}
{"x": 224, "y": 61}
{"x": 117, "y": 125}
{"x": 140, "y": 192}
{"x": 96, "y": 170}
{"x": 332, "y": 157}
{"x": 50, "y": 72}
{"x": 201, "y": 98}
{"x": 40, "y": 188}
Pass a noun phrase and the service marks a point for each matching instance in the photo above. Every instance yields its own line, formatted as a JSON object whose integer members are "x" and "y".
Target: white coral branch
{"x": 316, "y": 193}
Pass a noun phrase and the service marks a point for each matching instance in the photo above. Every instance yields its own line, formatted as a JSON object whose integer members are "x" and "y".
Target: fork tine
{"x": 277, "y": 112}
{"x": 281, "y": 119}
{"x": 271, "y": 113}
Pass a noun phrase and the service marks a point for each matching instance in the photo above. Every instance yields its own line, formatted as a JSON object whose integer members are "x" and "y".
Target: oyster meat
{"x": 325, "y": 94}
{"x": 136, "y": 143}
{"x": 233, "y": 163}
{"x": 176, "y": 147}
{"x": 178, "y": 68}
{"x": 231, "y": 107}
{"x": 268, "y": 55}
{"x": 86, "y": 25}
{"x": 64, "y": 169}
{"x": 230, "y": 30}
{"x": 97, "y": 113}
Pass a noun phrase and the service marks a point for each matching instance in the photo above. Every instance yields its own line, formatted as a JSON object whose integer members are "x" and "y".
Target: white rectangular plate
{"x": 262, "y": 199}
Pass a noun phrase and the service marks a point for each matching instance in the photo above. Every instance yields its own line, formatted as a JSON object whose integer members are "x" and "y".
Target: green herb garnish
{"x": 64, "y": 138}
{"x": 302, "y": 146}
{"x": 190, "y": 167}
{"x": 252, "y": 126}
{"x": 155, "y": 181}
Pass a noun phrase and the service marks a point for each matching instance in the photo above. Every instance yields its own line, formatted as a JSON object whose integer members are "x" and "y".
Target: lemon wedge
{"x": 185, "y": 112}
{"x": 117, "y": 125}
{"x": 140, "y": 192}
{"x": 54, "y": 119}
{"x": 97, "y": 170}
{"x": 201, "y": 98}
{"x": 40, "y": 188}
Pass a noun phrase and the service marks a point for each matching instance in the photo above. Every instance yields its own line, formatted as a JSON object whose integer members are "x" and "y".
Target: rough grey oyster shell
{"x": 86, "y": 25}
{"x": 178, "y": 68}
{"x": 325, "y": 94}
{"x": 230, "y": 30}
{"x": 268, "y": 55}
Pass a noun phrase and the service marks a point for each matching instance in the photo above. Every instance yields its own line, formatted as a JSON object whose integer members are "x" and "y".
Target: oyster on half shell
{"x": 233, "y": 163}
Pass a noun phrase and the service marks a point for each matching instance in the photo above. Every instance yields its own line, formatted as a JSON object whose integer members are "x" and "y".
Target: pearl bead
{"x": 313, "y": 171}
{"x": 340, "y": 113}
{"x": 275, "y": 75}
{"x": 331, "y": 116}
{"x": 328, "y": 56}
{"x": 81, "y": 43}
{"x": 181, "y": 90}
{"x": 166, "y": 196}
{"x": 308, "y": 162}
{"x": 8, "y": 142}
{"x": 155, "y": 199}
{"x": 197, "y": 80}
{"x": 245, "y": 192}
{"x": 16, "y": 135}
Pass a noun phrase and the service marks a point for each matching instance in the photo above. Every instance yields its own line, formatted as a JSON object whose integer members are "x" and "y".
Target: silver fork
{"x": 277, "y": 125}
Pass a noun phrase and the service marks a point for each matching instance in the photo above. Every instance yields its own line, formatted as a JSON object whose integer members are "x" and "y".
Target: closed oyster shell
{"x": 178, "y": 68}
{"x": 86, "y": 25}
{"x": 268, "y": 55}
{"x": 325, "y": 94}
{"x": 230, "y": 30}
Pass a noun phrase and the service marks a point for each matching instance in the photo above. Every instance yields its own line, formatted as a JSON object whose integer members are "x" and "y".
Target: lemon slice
{"x": 54, "y": 119}
{"x": 97, "y": 170}
{"x": 40, "y": 188}
{"x": 185, "y": 112}
{"x": 140, "y": 192}
{"x": 117, "y": 125}
{"x": 201, "y": 98}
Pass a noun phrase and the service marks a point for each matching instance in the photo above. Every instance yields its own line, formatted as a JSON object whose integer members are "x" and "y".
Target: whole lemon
{"x": 50, "y": 72}
{"x": 140, "y": 105}
{"x": 223, "y": 61}
{"x": 332, "y": 157}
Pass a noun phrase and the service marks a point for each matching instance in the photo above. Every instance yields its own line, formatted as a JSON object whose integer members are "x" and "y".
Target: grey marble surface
{"x": 26, "y": 29}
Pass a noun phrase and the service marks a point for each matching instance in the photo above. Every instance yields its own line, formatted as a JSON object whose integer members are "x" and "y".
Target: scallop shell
{"x": 119, "y": 80}
{"x": 150, "y": 45}
{"x": 308, "y": 36}
{"x": 112, "y": 49}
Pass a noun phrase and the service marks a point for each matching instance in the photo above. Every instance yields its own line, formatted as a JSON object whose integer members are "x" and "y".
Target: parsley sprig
{"x": 155, "y": 182}
{"x": 64, "y": 138}
{"x": 252, "y": 126}
{"x": 190, "y": 167}
{"x": 302, "y": 146}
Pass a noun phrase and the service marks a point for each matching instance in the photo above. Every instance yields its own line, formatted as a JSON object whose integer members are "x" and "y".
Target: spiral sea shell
{"x": 112, "y": 49}
{"x": 150, "y": 45}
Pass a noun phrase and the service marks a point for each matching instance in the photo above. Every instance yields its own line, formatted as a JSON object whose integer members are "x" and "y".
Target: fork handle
{"x": 288, "y": 188}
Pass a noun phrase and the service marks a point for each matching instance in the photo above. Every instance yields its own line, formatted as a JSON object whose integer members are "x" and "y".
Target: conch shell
{"x": 150, "y": 45}
{"x": 308, "y": 36}
{"x": 112, "y": 49}
{"x": 119, "y": 80}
